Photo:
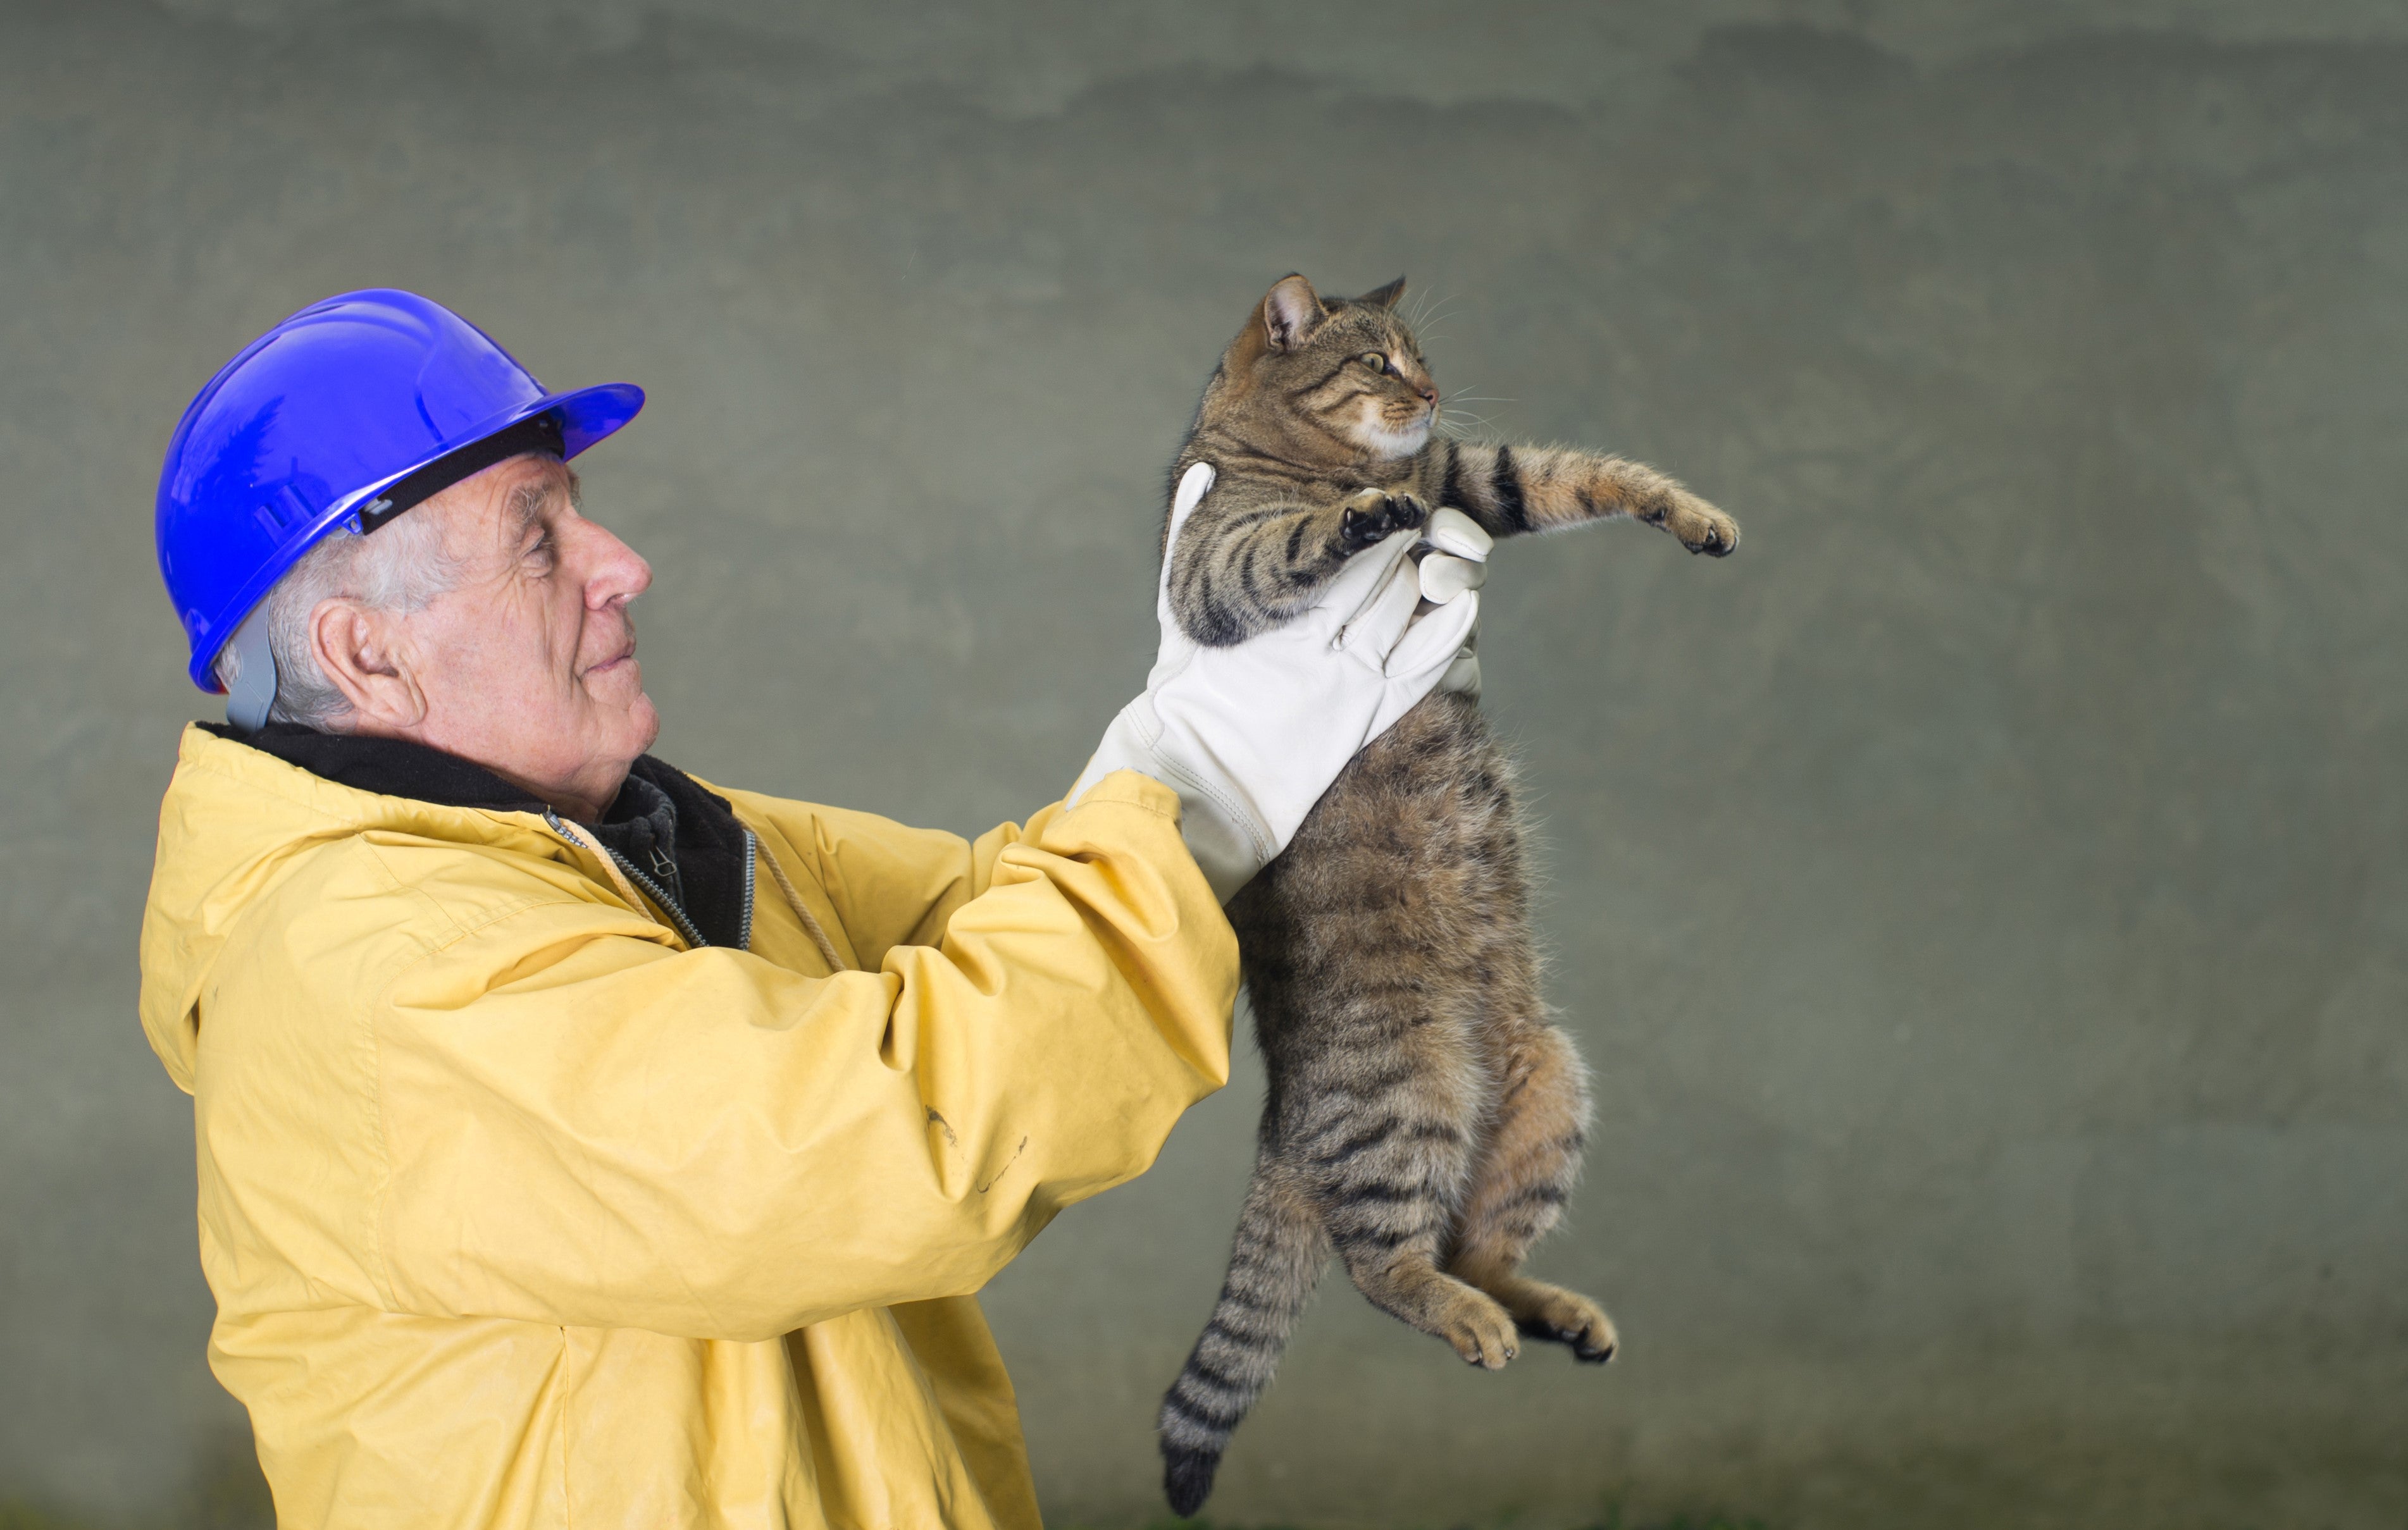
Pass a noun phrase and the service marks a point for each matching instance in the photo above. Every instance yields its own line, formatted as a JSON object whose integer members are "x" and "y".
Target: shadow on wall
{"x": 225, "y": 1491}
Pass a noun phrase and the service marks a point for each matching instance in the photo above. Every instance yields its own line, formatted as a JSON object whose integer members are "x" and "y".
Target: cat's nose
{"x": 1429, "y": 395}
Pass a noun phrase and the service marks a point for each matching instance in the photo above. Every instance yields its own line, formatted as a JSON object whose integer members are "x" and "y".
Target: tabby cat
{"x": 1424, "y": 1117}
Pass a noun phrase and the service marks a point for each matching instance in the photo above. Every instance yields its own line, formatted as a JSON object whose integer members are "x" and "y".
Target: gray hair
{"x": 401, "y": 566}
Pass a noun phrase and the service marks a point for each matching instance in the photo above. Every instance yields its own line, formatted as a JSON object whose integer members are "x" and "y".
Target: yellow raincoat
{"x": 519, "y": 1213}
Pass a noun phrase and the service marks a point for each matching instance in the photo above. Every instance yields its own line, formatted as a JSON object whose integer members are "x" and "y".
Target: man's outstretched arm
{"x": 574, "y": 1124}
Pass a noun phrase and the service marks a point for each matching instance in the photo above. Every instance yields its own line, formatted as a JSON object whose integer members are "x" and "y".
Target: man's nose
{"x": 614, "y": 570}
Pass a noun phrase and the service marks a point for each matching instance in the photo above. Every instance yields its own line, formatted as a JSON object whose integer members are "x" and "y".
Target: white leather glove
{"x": 1250, "y": 735}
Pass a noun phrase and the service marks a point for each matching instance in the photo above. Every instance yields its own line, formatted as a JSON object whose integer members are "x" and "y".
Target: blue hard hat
{"x": 367, "y": 394}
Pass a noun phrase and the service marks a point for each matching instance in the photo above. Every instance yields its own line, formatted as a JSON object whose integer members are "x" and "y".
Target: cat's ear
{"x": 1291, "y": 313}
{"x": 1385, "y": 296}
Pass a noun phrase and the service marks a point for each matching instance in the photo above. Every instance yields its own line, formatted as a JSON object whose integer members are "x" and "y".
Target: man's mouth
{"x": 623, "y": 657}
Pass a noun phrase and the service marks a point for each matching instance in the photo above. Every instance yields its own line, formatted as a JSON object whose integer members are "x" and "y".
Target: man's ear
{"x": 1385, "y": 296}
{"x": 360, "y": 652}
{"x": 1291, "y": 313}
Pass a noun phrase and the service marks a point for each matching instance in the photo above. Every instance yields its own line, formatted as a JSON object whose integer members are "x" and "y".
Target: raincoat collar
{"x": 390, "y": 768}
{"x": 711, "y": 851}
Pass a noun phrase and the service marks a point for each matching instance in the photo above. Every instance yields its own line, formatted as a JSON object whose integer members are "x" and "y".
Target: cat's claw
{"x": 1373, "y": 515}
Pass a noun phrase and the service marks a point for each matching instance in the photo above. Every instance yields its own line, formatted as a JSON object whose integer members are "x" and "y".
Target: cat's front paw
{"x": 1373, "y": 515}
{"x": 1702, "y": 528}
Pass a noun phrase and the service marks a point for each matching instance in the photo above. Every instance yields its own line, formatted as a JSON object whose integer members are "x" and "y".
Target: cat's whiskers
{"x": 1451, "y": 410}
{"x": 1448, "y": 427}
{"x": 1427, "y": 309}
{"x": 1465, "y": 396}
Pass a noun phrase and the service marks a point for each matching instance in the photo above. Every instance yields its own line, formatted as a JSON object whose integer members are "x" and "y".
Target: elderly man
{"x": 580, "y": 1143}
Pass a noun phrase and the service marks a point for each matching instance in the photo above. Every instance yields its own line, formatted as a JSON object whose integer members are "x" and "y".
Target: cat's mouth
{"x": 1377, "y": 435}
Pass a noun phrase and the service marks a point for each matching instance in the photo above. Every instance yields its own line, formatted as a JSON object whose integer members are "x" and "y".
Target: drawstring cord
{"x": 802, "y": 911}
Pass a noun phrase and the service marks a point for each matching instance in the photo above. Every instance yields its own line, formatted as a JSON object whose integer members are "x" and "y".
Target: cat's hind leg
{"x": 1390, "y": 1172}
{"x": 1524, "y": 1176}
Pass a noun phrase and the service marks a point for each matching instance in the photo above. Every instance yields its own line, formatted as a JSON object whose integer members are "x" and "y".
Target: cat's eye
{"x": 1375, "y": 360}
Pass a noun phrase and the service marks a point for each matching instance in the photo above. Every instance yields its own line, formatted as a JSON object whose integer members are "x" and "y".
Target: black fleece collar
{"x": 713, "y": 853}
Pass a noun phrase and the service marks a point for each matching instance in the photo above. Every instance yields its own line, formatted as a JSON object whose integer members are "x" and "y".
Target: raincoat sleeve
{"x": 582, "y": 1124}
{"x": 889, "y": 884}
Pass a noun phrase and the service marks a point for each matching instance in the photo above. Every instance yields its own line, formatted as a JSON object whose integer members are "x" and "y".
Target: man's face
{"x": 527, "y": 663}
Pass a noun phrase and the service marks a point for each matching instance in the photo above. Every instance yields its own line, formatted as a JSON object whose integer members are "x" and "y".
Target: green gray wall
{"x": 1984, "y": 900}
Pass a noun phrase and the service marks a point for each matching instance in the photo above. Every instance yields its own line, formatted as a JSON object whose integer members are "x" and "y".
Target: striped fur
{"x": 1425, "y": 1118}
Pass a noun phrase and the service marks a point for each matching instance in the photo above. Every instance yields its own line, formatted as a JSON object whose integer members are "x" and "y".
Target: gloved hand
{"x": 1251, "y": 736}
{"x": 1455, "y": 560}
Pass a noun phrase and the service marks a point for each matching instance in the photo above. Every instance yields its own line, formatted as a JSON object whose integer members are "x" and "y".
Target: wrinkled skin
{"x": 527, "y": 663}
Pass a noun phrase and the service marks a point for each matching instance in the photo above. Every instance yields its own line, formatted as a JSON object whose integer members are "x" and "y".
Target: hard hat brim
{"x": 586, "y": 416}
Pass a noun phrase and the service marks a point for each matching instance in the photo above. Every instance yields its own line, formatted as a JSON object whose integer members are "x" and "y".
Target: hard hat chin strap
{"x": 253, "y": 691}
{"x": 540, "y": 434}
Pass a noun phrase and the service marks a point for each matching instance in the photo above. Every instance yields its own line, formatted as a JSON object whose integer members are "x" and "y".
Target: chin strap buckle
{"x": 253, "y": 691}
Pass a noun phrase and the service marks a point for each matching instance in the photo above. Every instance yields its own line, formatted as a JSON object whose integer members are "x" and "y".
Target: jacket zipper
{"x": 658, "y": 893}
{"x": 751, "y": 855}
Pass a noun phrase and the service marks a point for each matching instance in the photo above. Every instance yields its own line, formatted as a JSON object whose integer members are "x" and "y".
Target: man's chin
{"x": 644, "y": 719}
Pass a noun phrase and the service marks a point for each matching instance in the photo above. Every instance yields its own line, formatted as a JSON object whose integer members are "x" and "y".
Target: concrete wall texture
{"x": 1985, "y": 900}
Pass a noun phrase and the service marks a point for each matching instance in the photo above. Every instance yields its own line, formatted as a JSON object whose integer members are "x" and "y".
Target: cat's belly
{"x": 1409, "y": 868}
{"x": 1432, "y": 798}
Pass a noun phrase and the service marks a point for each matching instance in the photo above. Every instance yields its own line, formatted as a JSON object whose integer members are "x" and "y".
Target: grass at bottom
{"x": 213, "y": 1514}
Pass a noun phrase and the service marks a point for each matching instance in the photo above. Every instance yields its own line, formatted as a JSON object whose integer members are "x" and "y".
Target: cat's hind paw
{"x": 1481, "y": 1331}
{"x": 1568, "y": 1318}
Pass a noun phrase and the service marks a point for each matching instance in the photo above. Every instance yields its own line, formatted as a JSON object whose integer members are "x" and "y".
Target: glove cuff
{"x": 1230, "y": 845}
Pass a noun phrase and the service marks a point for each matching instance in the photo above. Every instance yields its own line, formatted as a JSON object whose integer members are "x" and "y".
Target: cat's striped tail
{"x": 1277, "y": 1259}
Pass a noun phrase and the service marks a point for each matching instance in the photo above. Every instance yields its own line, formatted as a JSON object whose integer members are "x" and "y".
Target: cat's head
{"x": 1328, "y": 377}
